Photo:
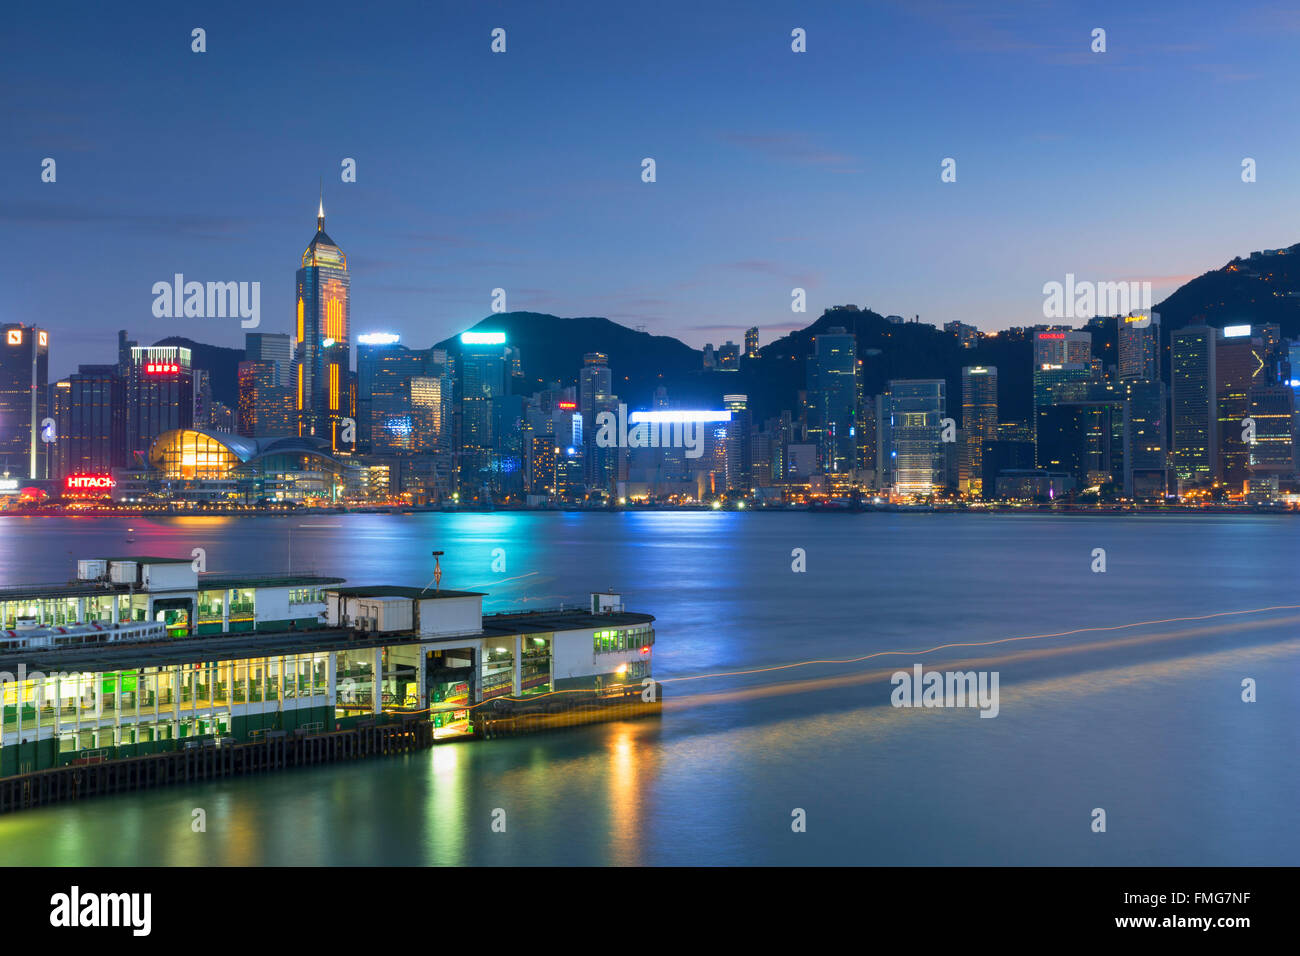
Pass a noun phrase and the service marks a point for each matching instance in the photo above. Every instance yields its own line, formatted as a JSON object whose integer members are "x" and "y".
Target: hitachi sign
{"x": 88, "y": 482}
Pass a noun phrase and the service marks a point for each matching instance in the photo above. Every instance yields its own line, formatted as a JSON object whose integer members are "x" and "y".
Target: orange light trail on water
{"x": 1000, "y": 640}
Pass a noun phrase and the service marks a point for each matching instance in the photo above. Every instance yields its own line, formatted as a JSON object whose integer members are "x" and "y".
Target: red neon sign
{"x": 161, "y": 368}
{"x": 1051, "y": 335}
{"x": 89, "y": 483}
{"x": 566, "y": 405}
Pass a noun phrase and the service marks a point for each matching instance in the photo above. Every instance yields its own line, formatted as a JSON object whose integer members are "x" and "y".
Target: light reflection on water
{"x": 1148, "y": 725}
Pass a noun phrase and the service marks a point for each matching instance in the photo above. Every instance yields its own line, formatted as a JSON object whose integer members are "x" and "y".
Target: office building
{"x": 266, "y": 407}
{"x": 917, "y": 408}
{"x": 1139, "y": 348}
{"x": 1194, "y": 415}
{"x": 91, "y": 416}
{"x": 834, "y": 390}
{"x": 159, "y": 396}
{"x": 1062, "y": 348}
{"x": 24, "y": 399}
{"x": 1238, "y": 363}
{"x": 322, "y": 349}
{"x": 979, "y": 414}
{"x": 271, "y": 347}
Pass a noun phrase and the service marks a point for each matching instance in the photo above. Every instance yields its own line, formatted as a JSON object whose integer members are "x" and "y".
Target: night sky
{"x": 523, "y": 170}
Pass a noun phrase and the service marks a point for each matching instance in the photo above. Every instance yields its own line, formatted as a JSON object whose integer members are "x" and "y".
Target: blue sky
{"x": 523, "y": 170}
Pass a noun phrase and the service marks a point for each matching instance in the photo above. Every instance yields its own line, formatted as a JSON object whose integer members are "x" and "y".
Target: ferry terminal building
{"x": 142, "y": 654}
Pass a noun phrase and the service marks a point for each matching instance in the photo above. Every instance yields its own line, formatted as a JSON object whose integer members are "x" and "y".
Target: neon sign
{"x": 88, "y": 483}
{"x": 568, "y": 406}
{"x": 161, "y": 368}
{"x": 482, "y": 338}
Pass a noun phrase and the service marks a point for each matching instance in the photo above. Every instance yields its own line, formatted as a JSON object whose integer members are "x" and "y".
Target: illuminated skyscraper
{"x": 916, "y": 411}
{"x": 24, "y": 399}
{"x": 1139, "y": 348}
{"x": 1194, "y": 406}
{"x": 834, "y": 384}
{"x": 322, "y": 346}
{"x": 1238, "y": 364}
{"x": 979, "y": 417}
{"x": 91, "y": 411}
{"x": 160, "y": 396}
{"x": 740, "y": 448}
{"x": 1062, "y": 348}
{"x": 266, "y": 408}
{"x": 483, "y": 378}
{"x": 271, "y": 347}
{"x": 595, "y": 389}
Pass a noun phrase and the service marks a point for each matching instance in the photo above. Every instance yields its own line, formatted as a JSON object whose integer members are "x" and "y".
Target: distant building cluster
{"x": 456, "y": 425}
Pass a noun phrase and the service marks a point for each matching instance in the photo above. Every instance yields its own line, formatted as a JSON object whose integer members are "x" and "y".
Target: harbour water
{"x": 1146, "y": 722}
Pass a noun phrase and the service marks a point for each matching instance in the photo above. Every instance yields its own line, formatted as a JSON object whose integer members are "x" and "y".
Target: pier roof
{"x": 228, "y": 581}
{"x": 392, "y": 590}
{"x": 128, "y": 655}
{"x": 35, "y": 592}
{"x": 559, "y": 619}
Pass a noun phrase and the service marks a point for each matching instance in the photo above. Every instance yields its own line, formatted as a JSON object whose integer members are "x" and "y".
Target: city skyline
{"x": 512, "y": 182}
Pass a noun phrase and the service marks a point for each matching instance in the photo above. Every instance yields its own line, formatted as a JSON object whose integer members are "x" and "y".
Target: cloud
{"x": 176, "y": 225}
{"x": 789, "y": 147}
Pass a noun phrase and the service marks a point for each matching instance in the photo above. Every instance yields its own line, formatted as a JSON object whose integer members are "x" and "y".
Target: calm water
{"x": 1144, "y": 722}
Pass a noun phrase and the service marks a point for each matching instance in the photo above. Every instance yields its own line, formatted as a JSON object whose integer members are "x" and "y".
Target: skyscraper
{"x": 595, "y": 394}
{"x": 834, "y": 387}
{"x": 24, "y": 399}
{"x": 322, "y": 352}
{"x": 751, "y": 343}
{"x": 385, "y": 368}
{"x": 1238, "y": 361}
{"x": 483, "y": 377}
{"x": 266, "y": 407}
{"x": 91, "y": 421}
{"x": 1194, "y": 407}
{"x": 979, "y": 416}
{"x": 160, "y": 396}
{"x": 1145, "y": 458}
{"x": 271, "y": 347}
{"x": 1062, "y": 348}
{"x": 740, "y": 448}
{"x": 1139, "y": 348}
{"x": 917, "y": 409}
{"x": 1272, "y": 409}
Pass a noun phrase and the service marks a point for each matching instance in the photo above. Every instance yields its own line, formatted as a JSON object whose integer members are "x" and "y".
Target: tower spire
{"x": 320, "y": 212}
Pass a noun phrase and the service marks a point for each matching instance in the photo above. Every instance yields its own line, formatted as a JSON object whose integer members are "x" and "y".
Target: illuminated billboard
{"x": 161, "y": 368}
{"x": 482, "y": 338}
{"x": 680, "y": 415}
{"x": 378, "y": 338}
{"x": 1235, "y": 331}
{"x": 92, "y": 485}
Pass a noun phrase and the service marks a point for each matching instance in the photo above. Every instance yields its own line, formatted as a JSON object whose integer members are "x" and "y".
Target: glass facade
{"x": 192, "y": 455}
